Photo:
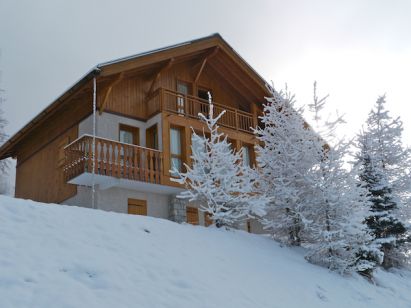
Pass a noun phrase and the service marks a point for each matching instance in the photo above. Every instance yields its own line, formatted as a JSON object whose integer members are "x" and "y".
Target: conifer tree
{"x": 218, "y": 180}
{"x": 338, "y": 239}
{"x": 283, "y": 162}
{"x": 384, "y": 167}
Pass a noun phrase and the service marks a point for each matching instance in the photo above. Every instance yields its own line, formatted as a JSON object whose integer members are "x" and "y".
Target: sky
{"x": 355, "y": 50}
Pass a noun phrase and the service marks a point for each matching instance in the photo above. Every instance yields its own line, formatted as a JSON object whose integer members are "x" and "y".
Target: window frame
{"x": 177, "y": 156}
{"x": 251, "y": 153}
{"x": 134, "y": 130}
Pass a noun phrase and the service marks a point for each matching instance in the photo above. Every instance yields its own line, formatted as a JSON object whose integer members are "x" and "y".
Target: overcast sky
{"x": 356, "y": 50}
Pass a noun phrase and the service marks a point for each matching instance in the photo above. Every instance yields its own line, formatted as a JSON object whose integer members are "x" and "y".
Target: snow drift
{"x": 61, "y": 256}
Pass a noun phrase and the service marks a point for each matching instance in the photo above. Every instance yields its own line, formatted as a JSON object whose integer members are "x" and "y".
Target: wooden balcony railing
{"x": 113, "y": 158}
{"x": 188, "y": 105}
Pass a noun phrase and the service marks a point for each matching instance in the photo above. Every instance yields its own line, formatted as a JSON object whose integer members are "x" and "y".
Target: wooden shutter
{"x": 192, "y": 215}
{"x": 207, "y": 219}
{"x": 137, "y": 207}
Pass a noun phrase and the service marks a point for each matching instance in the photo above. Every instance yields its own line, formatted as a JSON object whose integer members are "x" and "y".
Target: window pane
{"x": 176, "y": 164}
{"x": 246, "y": 156}
{"x": 175, "y": 141}
{"x": 197, "y": 144}
{"x": 126, "y": 136}
{"x": 182, "y": 88}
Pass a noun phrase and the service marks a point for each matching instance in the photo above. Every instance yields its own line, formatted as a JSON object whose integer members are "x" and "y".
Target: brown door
{"x": 192, "y": 215}
{"x": 183, "y": 89}
{"x": 152, "y": 137}
{"x": 137, "y": 207}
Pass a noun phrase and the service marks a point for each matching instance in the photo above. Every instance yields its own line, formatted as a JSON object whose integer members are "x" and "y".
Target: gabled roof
{"x": 131, "y": 62}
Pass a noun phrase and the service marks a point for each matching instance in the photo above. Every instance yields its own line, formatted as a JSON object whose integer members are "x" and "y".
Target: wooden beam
{"x": 153, "y": 58}
{"x": 108, "y": 91}
{"x": 157, "y": 76}
{"x": 206, "y": 58}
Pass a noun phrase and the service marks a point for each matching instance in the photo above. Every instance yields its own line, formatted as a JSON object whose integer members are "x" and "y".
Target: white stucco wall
{"x": 116, "y": 200}
{"x": 82, "y": 198}
{"x": 107, "y": 126}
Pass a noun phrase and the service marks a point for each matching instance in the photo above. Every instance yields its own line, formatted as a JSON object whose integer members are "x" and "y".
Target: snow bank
{"x": 60, "y": 256}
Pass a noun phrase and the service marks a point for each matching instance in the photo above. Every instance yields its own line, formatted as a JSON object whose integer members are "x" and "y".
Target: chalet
{"x": 143, "y": 113}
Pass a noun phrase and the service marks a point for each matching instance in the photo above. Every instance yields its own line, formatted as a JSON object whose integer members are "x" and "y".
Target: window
{"x": 176, "y": 155}
{"x": 129, "y": 134}
{"x": 192, "y": 215}
{"x": 197, "y": 144}
{"x": 152, "y": 137}
{"x": 203, "y": 93}
{"x": 248, "y": 155}
{"x": 183, "y": 88}
{"x": 137, "y": 207}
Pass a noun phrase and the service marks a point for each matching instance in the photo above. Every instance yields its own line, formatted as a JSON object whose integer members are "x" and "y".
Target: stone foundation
{"x": 177, "y": 209}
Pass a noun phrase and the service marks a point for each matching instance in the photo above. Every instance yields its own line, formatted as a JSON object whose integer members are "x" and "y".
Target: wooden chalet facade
{"x": 147, "y": 105}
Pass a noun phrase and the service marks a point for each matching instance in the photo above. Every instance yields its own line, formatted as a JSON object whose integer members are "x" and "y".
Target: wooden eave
{"x": 144, "y": 62}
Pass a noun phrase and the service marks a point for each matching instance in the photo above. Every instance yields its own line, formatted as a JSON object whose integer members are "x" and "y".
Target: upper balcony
{"x": 190, "y": 106}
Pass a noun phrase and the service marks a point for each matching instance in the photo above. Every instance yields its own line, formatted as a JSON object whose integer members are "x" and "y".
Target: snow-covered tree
{"x": 316, "y": 201}
{"x": 283, "y": 161}
{"x": 385, "y": 168}
{"x": 337, "y": 236}
{"x": 3, "y": 163}
{"x": 218, "y": 180}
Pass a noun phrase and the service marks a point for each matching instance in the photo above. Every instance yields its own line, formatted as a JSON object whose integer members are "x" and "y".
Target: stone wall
{"x": 177, "y": 209}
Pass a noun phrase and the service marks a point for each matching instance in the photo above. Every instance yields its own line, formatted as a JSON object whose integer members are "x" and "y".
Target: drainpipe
{"x": 93, "y": 184}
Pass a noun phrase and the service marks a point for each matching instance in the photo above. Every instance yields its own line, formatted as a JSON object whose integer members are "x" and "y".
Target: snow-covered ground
{"x": 60, "y": 256}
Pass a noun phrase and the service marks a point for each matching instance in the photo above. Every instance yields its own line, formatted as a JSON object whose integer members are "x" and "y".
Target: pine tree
{"x": 283, "y": 162}
{"x": 384, "y": 167}
{"x": 338, "y": 239}
{"x": 218, "y": 180}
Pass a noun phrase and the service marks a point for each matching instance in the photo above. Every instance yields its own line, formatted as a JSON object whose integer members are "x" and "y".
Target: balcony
{"x": 187, "y": 105}
{"x": 116, "y": 164}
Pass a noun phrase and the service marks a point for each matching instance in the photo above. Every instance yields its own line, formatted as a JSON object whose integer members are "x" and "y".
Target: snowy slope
{"x": 60, "y": 256}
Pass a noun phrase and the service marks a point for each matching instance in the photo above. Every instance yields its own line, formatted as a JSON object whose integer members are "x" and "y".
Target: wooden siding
{"x": 65, "y": 119}
{"x": 41, "y": 176}
{"x": 127, "y": 97}
{"x": 130, "y": 95}
{"x": 222, "y": 90}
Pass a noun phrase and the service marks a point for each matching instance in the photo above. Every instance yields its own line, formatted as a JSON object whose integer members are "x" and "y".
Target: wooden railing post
{"x": 112, "y": 158}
